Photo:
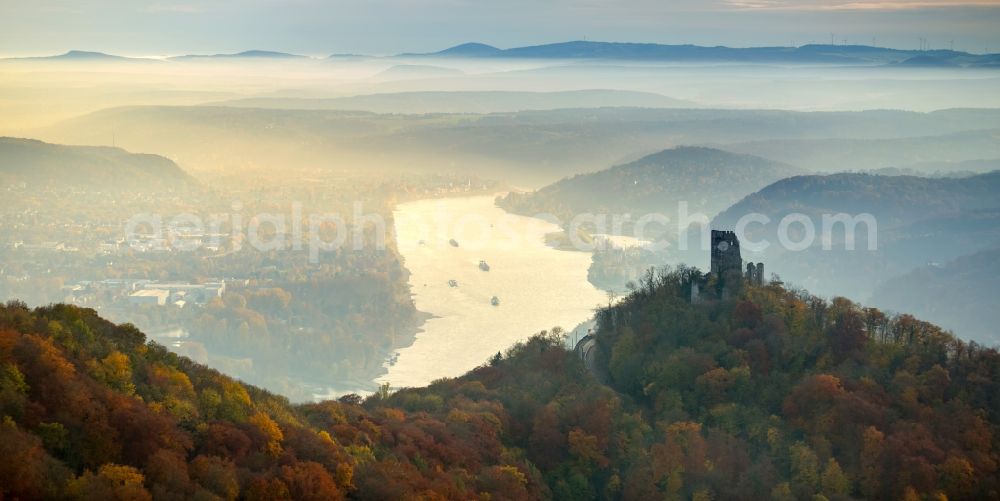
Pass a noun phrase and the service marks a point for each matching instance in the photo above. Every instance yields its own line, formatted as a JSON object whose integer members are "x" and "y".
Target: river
{"x": 538, "y": 287}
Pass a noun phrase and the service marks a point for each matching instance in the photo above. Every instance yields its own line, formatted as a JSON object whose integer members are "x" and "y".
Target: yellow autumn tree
{"x": 113, "y": 482}
{"x": 271, "y": 430}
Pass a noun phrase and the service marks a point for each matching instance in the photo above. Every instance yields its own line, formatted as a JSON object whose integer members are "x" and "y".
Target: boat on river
{"x": 483, "y": 266}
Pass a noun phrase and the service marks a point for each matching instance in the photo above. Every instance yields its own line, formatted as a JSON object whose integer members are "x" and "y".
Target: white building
{"x": 150, "y": 297}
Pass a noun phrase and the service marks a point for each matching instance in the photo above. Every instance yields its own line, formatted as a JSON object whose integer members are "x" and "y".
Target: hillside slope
{"x": 779, "y": 394}
{"x": 90, "y": 411}
{"x": 960, "y": 294}
{"x": 917, "y": 220}
{"x": 38, "y": 163}
{"x": 771, "y": 394}
{"x": 708, "y": 180}
{"x": 894, "y": 200}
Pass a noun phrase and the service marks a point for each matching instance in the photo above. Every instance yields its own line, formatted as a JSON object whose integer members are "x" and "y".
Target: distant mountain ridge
{"x": 39, "y": 163}
{"x": 813, "y": 53}
{"x": 863, "y": 55}
{"x": 472, "y": 49}
{"x": 83, "y": 55}
{"x": 79, "y": 55}
{"x": 247, "y": 54}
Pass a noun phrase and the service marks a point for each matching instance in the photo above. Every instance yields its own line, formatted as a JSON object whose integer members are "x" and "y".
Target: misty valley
{"x": 579, "y": 270}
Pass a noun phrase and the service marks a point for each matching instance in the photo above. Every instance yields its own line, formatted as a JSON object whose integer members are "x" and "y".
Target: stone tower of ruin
{"x": 726, "y": 254}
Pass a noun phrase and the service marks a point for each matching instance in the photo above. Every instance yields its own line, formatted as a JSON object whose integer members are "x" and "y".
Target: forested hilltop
{"x": 42, "y": 164}
{"x": 772, "y": 394}
{"x": 706, "y": 179}
{"x": 782, "y": 394}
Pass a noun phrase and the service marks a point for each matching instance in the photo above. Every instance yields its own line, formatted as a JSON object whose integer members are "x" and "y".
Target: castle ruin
{"x": 727, "y": 264}
{"x": 725, "y": 254}
{"x": 755, "y": 274}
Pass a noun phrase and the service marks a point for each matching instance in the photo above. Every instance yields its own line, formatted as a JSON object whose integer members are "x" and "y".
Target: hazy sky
{"x": 317, "y": 27}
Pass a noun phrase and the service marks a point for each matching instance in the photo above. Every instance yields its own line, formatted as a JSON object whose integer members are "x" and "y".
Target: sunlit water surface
{"x": 538, "y": 287}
